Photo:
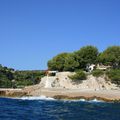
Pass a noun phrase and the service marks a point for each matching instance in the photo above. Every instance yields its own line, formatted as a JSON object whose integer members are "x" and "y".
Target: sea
{"x": 43, "y": 108}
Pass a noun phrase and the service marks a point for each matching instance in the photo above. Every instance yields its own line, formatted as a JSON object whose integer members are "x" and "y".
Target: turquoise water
{"x": 49, "y": 109}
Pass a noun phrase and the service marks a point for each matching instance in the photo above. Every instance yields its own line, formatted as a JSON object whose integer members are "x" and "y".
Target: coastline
{"x": 105, "y": 95}
{"x": 69, "y": 94}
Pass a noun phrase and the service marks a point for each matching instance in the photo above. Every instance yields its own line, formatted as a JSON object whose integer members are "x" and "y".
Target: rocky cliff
{"x": 61, "y": 80}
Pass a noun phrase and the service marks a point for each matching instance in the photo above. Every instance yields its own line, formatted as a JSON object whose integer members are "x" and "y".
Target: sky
{"x": 33, "y": 31}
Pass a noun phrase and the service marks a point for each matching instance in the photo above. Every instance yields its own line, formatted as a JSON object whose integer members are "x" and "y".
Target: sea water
{"x": 42, "y": 108}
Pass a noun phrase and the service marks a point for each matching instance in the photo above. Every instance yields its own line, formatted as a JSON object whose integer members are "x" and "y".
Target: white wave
{"x": 36, "y": 98}
{"x": 77, "y": 100}
{"x": 83, "y": 100}
{"x": 95, "y": 100}
{"x": 49, "y": 99}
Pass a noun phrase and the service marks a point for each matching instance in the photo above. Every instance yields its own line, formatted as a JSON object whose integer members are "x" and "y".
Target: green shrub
{"x": 97, "y": 73}
{"x": 23, "y": 83}
{"x": 79, "y": 75}
{"x": 114, "y": 76}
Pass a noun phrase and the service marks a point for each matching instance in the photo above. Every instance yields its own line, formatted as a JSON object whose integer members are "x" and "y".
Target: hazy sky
{"x": 33, "y": 31}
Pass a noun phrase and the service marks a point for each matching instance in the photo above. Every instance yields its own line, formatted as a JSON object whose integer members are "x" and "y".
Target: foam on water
{"x": 77, "y": 100}
{"x": 50, "y": 98}
{"x": 83, "y": 100}
{"x": 37, "y": 98}
{"x": 95, "y": 100}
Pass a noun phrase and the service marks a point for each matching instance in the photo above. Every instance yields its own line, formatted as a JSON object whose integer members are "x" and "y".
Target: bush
{"x": 97, "y": 73}
{"x": 79, "y": 75}
{"x": 114, "y": 76}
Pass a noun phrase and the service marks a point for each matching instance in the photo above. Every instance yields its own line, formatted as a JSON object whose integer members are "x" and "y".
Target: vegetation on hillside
{"x": 98, "y": 73}
{"x": 78, "y": 76}
{"x": 57, "y": 63}
{"x": 111, "y": 56}
{"x": 114, "y": 76}
{"x": 10, "y": 78}
{"x": 88, "y": 55}
{"x": 75, "y": 61}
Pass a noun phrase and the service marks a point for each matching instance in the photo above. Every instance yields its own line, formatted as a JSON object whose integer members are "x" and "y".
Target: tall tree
{"x": 71, "y": 64}
{"x": 86, "y": 55}
{"x": 111, "y": 56}
{"x": 57, "y": 63}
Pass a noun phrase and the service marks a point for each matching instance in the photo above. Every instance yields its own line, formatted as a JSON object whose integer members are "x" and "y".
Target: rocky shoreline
{"x": 13, "y": 92}
{"x": 75, "y": 94}
{"x": 104, "y": 95}
{"x": 61, "y": 87}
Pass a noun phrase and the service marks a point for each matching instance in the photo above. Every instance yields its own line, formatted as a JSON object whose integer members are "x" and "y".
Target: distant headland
{"x": 85, "y": 73}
